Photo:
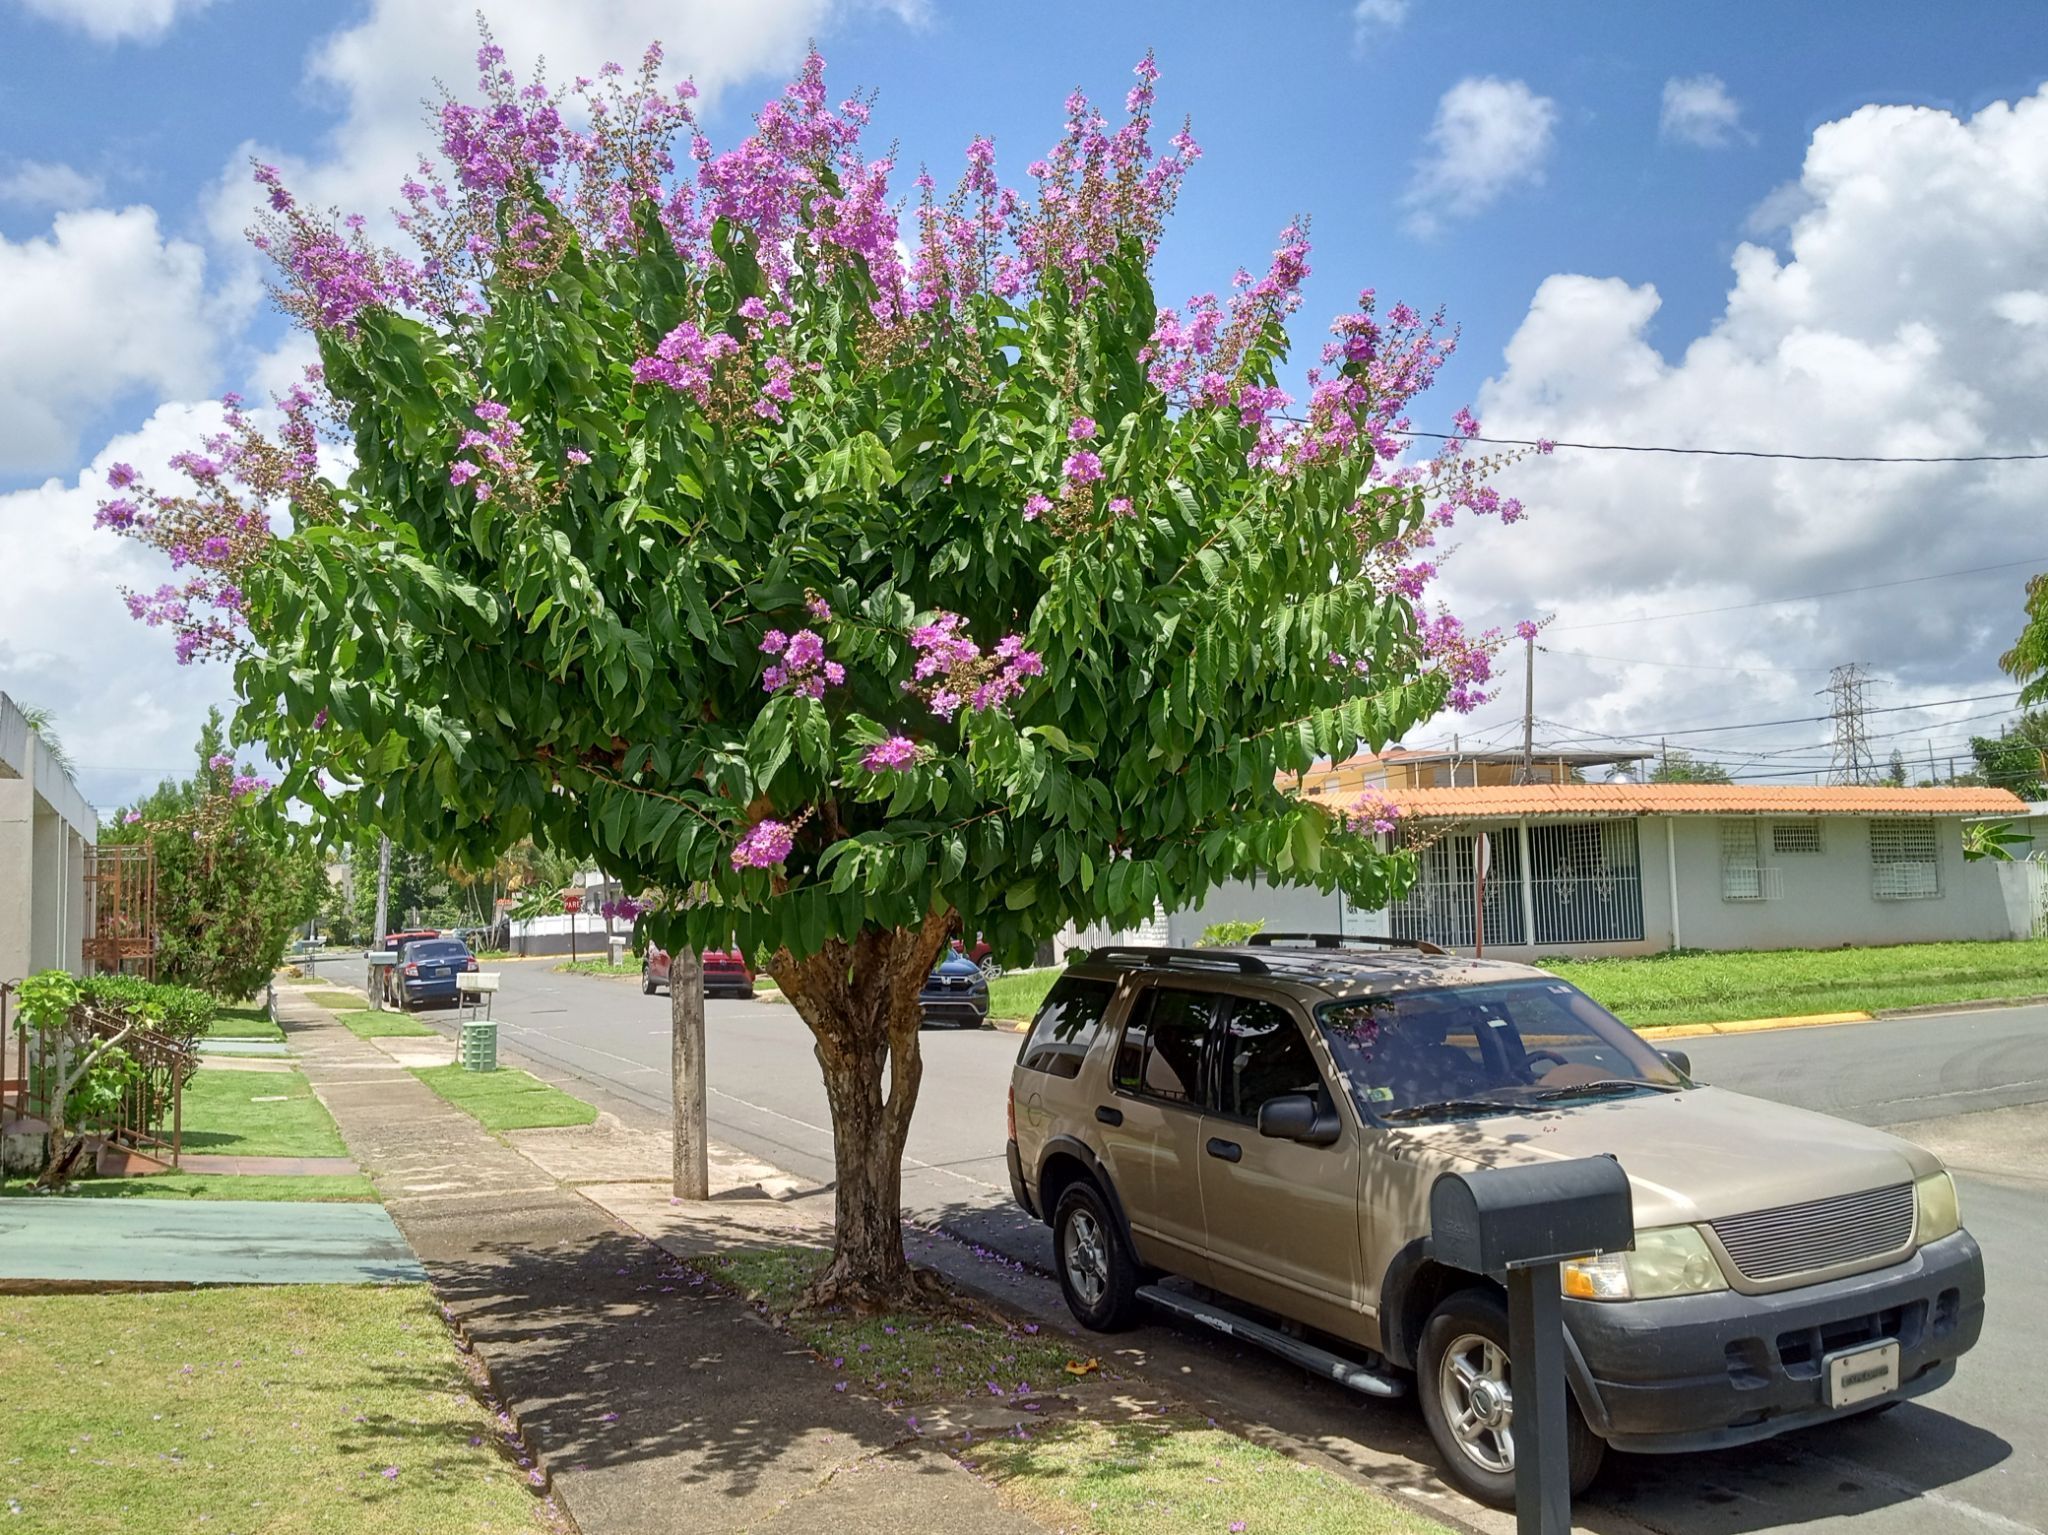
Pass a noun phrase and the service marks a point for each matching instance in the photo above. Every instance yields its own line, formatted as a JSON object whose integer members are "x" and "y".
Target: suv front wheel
{"x": 1097, "y": 1274}
{"x": 1468, "y": 1401}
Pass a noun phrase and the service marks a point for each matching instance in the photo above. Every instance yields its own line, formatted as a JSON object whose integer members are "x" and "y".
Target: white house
{"x": 45, "y": 828}
{"x": 1623, "y": 868}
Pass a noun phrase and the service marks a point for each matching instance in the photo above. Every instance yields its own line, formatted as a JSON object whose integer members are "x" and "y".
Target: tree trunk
{"x": 860, "y": 1001}
{"x": 686, "y": 1064}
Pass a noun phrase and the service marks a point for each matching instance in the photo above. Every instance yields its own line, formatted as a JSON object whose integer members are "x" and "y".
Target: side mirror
{"x": 1298, "y": 1117}
{"x": 1679, "y": 1059}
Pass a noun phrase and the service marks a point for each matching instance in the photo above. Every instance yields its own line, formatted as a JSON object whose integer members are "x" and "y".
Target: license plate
{"x": 443, "y": 970}
{"x": 1857, "y": 1375}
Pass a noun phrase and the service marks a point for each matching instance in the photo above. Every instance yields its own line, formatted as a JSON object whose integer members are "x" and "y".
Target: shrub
{"x": 182, "y": 1012}
{"x": 1221, "y": 935}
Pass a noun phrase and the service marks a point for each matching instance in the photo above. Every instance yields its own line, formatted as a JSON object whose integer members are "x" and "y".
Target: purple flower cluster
{"x": 1082, "y": 467}
{"x": 1465, "y": 660}
{"x": 890, "y": 756}
{"x": 686, "y": 361}
{"x": 766, "y": 845}
{"x": 624, "y": 909}
{"x": 498, "y": 446}
{"x": 1371, "y": 811}
{"x": 951, "y": 671}
{"x": 801, "y": 666}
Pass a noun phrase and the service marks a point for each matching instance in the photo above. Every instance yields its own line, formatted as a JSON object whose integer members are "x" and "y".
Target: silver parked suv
{"x": 1266, "y": 1122}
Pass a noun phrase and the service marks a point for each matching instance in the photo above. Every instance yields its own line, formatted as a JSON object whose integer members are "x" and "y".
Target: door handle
{"x": 1110, "y": 1116}
{"x": 1227, "y": 1151}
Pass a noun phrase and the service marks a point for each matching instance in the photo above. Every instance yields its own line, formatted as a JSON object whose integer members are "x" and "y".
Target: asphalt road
{"x": 1971, "y": 1458}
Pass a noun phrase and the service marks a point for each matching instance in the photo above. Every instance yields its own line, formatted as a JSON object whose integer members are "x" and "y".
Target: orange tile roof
{"x": 1552, "y": 799}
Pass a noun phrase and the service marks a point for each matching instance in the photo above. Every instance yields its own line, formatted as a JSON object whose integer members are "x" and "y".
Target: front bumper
{"x": 956, "y": 1008}
{"x": 1700, "y": 1372}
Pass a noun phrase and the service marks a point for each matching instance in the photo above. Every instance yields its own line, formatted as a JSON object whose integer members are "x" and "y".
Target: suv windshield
{"x": 1499, "y": 1048}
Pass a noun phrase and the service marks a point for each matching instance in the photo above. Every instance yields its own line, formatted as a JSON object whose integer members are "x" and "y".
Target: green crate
{"x": 479, "y": 1045}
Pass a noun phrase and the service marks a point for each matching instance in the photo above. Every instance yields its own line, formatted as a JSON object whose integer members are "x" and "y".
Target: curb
{"x": 1932, "y": 1009}
{"x": 1755, "y": 1025}
{"x": 1011, "y": 1025}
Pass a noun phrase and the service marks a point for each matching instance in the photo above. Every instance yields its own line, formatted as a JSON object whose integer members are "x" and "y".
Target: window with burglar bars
{"x": 1742, "y": 863}
{"x": 1905, "y": 860}
{"x": 1586, "y": 882}
{"x": 1795, "y": 837}
{"x": 1438, "y": 907}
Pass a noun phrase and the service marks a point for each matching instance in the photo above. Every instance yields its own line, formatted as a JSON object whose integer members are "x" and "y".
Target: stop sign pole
{"x": 572, "y": 903}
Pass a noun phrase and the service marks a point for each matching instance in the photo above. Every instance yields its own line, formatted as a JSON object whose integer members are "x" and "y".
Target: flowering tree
{"x": 835, "y": 580}
{"x": 234, "y": 877}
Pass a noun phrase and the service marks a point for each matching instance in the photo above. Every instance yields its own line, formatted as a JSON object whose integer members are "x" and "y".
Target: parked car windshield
{"x": 1503, "y": 1047}
{"x": 439, "y": 950}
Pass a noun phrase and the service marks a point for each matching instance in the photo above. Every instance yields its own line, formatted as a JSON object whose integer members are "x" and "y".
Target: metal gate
{"x": 120, "y": 893}
{"x": 1586, "y": 883}
{"x": 1439, "y": 905}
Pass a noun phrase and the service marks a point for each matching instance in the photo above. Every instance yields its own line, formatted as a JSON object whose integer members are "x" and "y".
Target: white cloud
{"x": 115, "y": 21}
{"x": 1699, "y": 111}
{"x": 126, "y": 710}
{"x": 1374, "y": 19}
{"x": 102, "y": 304}
{"x": 1908, "y": 315}
{"x": 47, "y": 184}
{"x": 1490, "y": 135}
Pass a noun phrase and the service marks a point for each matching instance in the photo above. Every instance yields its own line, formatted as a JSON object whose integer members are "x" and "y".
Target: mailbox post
{"x": 381, "y": 961}
{"x": 1519, "y": 1224}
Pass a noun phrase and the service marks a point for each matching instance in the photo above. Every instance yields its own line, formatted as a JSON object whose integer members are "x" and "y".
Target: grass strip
{"x": 1016, "y": 996}
{"x": 1698, "y": 987}
{"x": 250, "y": 1022}
{"x": 340, "y": 1001}
{"x": 257, "y": 1114}
{"x": 262, "y": 1188}
{"x": 365, "y": 1023}
{"x": 600, "y": 967}
{"x": 903, "y": 1357}
{"x": 1170, "y": 1475}
{"x": 506, "y": 1099}
{"x": 296, "y": 1410}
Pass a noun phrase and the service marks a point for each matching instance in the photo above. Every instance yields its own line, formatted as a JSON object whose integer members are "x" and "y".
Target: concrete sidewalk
{"x": 654, "y": 1404}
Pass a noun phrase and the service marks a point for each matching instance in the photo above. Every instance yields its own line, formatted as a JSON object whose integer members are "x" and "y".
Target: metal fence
{"x": 1584, "y": 886}
{"x": 1440, "y": 906}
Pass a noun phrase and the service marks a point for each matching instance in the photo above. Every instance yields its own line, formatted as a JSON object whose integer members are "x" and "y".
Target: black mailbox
{"x": 1502, "y": 1218}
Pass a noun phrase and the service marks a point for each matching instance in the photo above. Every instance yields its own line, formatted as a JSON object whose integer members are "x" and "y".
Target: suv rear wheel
{"x": 1468, "y": 1401}
{"x": 646, "y": 979}
{"x": 1097, "y": 1275}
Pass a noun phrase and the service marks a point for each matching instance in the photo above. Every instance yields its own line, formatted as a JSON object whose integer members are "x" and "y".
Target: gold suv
{"x": 1265, "y": 1123}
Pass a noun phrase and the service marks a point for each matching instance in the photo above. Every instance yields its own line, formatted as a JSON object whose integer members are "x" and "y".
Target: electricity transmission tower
{"x": 1852, "y": 762}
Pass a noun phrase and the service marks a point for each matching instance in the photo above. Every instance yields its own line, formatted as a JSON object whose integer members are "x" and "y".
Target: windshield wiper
{"x": 1451, "y": 1106}
{"x": 1602, "y": 1088}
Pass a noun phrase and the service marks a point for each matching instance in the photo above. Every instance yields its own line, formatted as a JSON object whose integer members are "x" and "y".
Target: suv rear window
{"x": 437, "y": 949}
{"x": 1067, "y": 1023}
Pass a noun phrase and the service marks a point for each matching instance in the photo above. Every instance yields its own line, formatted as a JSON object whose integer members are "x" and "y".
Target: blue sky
{"x": 1565, "y": 167}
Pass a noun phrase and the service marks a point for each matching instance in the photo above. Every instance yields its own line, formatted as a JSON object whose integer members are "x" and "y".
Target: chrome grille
{"x": 1799, "y": 1239}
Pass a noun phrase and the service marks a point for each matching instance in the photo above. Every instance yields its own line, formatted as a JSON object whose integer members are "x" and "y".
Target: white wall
{"x": 45, "y": 828}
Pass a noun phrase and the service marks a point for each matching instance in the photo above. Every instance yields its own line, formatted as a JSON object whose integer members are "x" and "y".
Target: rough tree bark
{"x": 860, "y": 1002}
{"x": 686, "y": 1062}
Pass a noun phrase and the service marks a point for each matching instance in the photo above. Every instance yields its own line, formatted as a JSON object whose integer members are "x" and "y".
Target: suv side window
{"x": 1066, "y": 1025}
{"x": 1264, "y": 1055}
{"x": 1160, "y": 1055}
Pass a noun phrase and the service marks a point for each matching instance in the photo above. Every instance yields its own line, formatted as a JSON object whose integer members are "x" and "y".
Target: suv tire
{"x": 1098, "y": 1276}
{"x": 646, "y": 979}
{"x": 1465, "y": 1343}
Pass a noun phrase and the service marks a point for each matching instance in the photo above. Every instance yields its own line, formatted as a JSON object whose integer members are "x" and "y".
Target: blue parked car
{"x": 955, "y": 993}
{"x": 427, "y": 970}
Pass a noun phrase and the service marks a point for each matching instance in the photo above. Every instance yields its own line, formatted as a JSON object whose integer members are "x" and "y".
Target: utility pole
{"x": 1932, "y": 776}
{"x": 1528, "y": 773}
{"x": 1851, "y": 762}
{"x": 686, "y": 1068}
{"x": 383, "y": 888}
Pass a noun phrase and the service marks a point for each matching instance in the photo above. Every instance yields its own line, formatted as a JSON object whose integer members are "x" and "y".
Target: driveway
{"x": 1971, "y": 1458}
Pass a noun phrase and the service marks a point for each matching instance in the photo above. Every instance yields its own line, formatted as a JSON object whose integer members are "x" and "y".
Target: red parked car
{"x": 726, "y": 973}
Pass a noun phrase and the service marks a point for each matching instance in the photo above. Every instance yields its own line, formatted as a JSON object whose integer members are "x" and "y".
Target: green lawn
{"x": 262, "y": 1187}
{"x": 340, "y": 1001}
{"x": 1017, "y": 994}
{"x": 295, "y": 1410}
{"x": 506, "y": 1099}
{"x": 1695, "y": 987}
{"x": 251, "y": 1022}
{"x": 257, "y": 1114}
{"x": 1169, "y": 1476}
{"x": 366, "y": 1023}
{"x": 630, "y": 971}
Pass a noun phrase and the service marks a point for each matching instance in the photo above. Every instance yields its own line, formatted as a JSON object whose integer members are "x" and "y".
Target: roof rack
{"x": 1346, "y": 940}
{"x": 1211, "y": 958}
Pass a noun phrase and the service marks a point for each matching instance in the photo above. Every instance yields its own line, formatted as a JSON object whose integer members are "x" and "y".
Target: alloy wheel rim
{"x": 1478, "y": 1401}
{"x": 1087, "y": 1263}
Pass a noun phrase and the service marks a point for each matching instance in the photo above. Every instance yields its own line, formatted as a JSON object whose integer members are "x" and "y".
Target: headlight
{"x": 1670, "y": 1260}
{"x": 1936, "y": 1212}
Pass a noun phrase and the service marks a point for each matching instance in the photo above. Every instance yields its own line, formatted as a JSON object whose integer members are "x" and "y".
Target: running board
{"x": 1317, "y": 1361}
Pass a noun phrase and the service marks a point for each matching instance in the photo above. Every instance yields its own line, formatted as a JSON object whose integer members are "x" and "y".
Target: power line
{"x": 1803, "y": 719}
{"x": 1808, "y": 458}
{"x": 1689, "y": 666}
{"x": 1772, "y": 602}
